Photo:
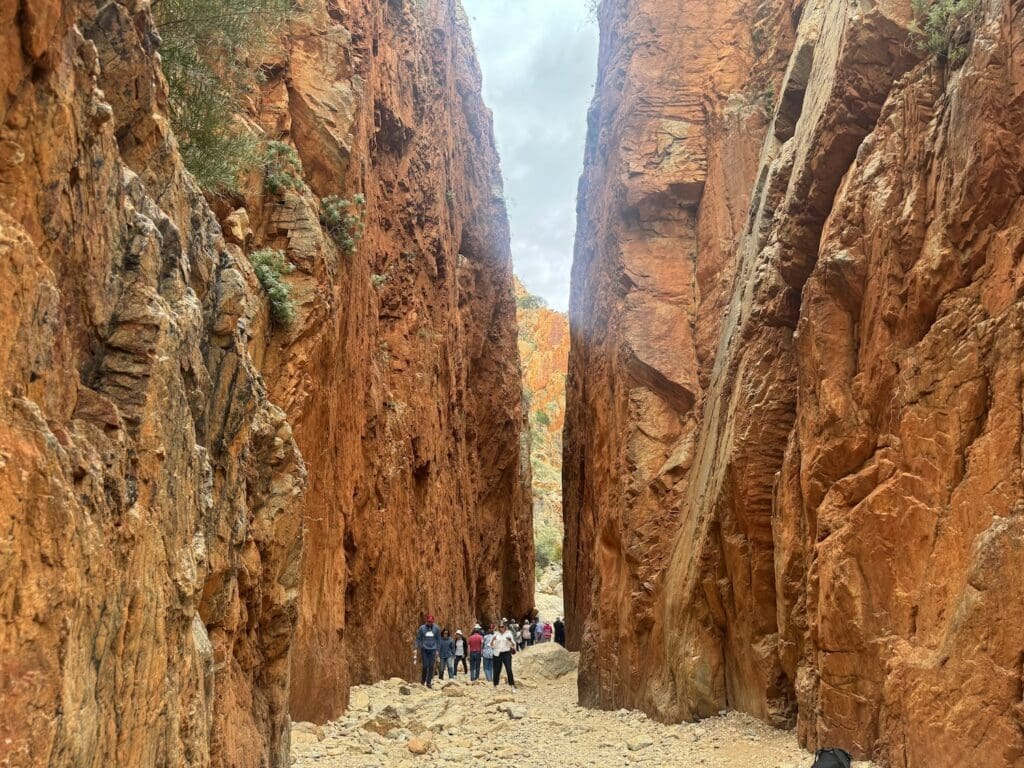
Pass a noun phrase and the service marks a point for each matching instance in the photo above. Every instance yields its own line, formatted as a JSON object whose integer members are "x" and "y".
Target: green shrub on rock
{"x": 339, "y": 221}
{"x": 208, "y": 55}
{"x": 942, "y": 28}
{"x": 269, "y": 266}
{"x": 282, "y": 168}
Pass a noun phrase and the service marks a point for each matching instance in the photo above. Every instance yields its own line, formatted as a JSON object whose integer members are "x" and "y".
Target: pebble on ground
{"x": 396, "y": 723}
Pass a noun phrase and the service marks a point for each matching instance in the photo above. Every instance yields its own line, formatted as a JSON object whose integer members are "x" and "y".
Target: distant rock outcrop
{"x": 544, "y": 350}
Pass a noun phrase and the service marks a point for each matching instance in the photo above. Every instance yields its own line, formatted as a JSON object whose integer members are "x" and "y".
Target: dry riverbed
{"x": 395, "y": 723}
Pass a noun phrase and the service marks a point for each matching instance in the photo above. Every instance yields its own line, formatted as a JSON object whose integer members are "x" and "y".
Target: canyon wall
{"x": 401, "y": 373}
{"x": 157, "y": 606}
{"x": 792, "y": 462}
{"x": 544, "y": 351}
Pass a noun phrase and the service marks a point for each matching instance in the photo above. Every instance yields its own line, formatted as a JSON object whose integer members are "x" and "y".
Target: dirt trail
{"x": 541, "y": 723}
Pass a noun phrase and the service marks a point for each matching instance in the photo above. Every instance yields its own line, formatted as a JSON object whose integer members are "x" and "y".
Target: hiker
{"x": 526, "y": 632}
{"x": 560, "y": 632}
{"x": 460, "y": 652}
{"x": 428, "y": 642}
{"x": 476, "y": 647}
{"x": 503, "y": 644}
{"x": 548, "y": 631}
{"x": 487, "y": 654}
{"x": 447, "y": 652}
{"x": 538, "y": 630}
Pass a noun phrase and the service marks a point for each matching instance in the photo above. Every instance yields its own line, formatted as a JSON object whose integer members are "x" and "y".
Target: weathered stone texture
{"x": 844, "y": 518}
{"x": 149, "y": 489}
{"x": 151, "y": 532}
{"x": 401, "y": 372}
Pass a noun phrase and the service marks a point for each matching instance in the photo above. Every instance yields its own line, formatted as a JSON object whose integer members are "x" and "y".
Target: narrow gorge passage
{"x": 305, "y": 347}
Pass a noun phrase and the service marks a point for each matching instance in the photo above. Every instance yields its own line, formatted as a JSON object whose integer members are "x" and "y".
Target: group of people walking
{"x": 490, "y": 650}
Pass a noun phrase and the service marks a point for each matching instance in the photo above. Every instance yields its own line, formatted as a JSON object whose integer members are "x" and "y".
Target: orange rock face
{"x": 149, "y": 488}
{"x": 156, "y": 607}
{"x": 812, "y": 511}
{"x": 401, "y": 373}
{"x": 544, "y": 351}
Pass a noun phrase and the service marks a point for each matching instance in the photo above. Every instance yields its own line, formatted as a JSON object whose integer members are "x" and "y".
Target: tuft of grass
{"x": 282, "y": 168}
{"x": 344, "y": 225}
{"x": 942, "y": 28}
{"x": 270, "y": 265}
{"x": 378, "y": 280}
{"x": 207, "y": 52}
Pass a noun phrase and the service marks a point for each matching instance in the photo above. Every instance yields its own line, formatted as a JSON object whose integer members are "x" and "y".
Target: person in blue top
{"x": 428, "y": 642}
{"x": 447, "y": 652}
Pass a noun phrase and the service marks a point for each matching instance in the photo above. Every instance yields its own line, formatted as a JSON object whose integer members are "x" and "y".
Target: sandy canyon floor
{"x": 395, "y": 723}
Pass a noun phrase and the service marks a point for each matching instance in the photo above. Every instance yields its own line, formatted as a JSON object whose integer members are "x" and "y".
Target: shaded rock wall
{"x": 848, "y": 508}
{"x": 149, "y": 488}
{"x": 401, "y": 372}
{"x": 151, "y": 554}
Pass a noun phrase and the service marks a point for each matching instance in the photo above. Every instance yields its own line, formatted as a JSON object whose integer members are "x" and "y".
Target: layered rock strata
{"x": 819, "y": 516}
{"x": 149, "y": 487}
{"x": 155, "y": 596}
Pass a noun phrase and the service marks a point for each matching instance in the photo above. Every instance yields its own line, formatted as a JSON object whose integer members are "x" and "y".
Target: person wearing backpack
{"x": 488, "y": 655}
{"x": 832, "y": 758}
{"x": 476, "y": 647}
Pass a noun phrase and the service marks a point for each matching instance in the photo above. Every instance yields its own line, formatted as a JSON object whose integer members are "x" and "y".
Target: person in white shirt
{"x": 503, "y": 644}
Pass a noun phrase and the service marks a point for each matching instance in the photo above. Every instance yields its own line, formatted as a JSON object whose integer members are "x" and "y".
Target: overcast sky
{"x": 539, "y": 62}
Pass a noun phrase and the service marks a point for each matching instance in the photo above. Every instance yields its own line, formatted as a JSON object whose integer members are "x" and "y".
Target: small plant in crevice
{"x": 269, "y": 266}
{"x": 943, "y": 29}
{"x": 282, "y": 168}
{"x": 342, "y": 219}
{"x": 378, "y": 280}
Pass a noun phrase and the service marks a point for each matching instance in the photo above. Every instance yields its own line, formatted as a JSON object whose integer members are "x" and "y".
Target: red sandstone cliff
{"x": 154, "y": 595}
{"x": 544, "y": 350}
{"x": 401, "y": 373}
{"x": 793, "y": 471}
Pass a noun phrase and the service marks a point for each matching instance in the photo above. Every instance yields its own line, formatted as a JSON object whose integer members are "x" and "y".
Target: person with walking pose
{"x": 428, "y": 641}
{"x": 503, "y": 645}
{"x": 447, "y": 652}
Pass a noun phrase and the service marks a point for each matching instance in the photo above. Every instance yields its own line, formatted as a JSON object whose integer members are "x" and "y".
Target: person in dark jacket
{"x": 560, "y": 632}
{"x": 447, "y": 653}
{"x": 428, "y": 642}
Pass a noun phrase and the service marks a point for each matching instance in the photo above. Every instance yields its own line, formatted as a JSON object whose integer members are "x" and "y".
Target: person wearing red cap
{"x": 428, "y": 641}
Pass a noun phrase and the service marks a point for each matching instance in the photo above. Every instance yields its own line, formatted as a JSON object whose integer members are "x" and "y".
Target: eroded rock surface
{"x": 152, "y": 607}
{"x": 818, "y": 438}
{"x": 149, "y": 487}
{"x": 401, "y": 373}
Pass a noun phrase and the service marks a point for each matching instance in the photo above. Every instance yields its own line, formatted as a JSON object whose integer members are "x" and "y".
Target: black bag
{"x": 831, "y": 758}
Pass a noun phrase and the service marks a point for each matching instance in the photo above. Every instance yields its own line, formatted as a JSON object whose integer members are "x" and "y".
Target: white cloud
{"x": 539, "y": 62}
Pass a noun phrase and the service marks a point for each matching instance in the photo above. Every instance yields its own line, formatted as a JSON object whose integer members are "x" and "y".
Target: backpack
{"x": 831, "y": 758}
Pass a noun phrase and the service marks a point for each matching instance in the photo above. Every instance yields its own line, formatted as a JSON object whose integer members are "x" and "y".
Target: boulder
{"x": 547, "y": 660}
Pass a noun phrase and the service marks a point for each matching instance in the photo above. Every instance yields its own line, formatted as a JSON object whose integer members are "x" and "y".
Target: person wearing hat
{"x": 503, "y": 644}
{"x": 461, "y": 652}
{"x": 428, "y": 642}
{"x": 475, "y": 643}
